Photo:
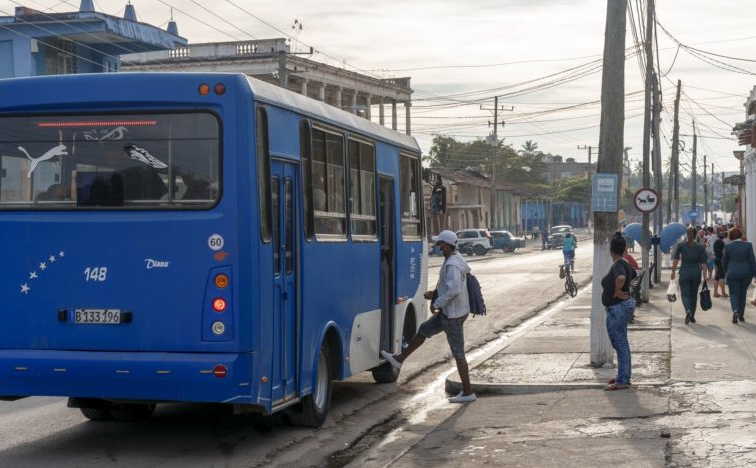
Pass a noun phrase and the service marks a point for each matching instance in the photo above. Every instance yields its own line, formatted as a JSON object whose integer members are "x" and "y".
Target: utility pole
{"x": 493, "y": 163}
{"x": 706, "y": 194}
{"x": 647, "y": 123}
{"x": 670, "y": 185}
{"x": 676, "y": 155}
{"x": 611, "y": 142}
{"x": 713, "y": 183}
{"x": 495, "y": 151}
{"x": 590, "y": 152}
{"x": 658, "y": 184}
{"x": 694, "y": 192}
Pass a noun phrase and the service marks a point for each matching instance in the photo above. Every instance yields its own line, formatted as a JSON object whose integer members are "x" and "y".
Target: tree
{"x": 573, "y": 189}
{"x": 529, "y": 147}
{"x": 511, "y": 166}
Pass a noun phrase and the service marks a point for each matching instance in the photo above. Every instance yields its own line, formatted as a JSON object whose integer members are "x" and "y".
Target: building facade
{"x": 557, "y": 169}
{"x": 34, "y": 43}
{"x": 273, "y": 60}
{"x": 468, "y": 202}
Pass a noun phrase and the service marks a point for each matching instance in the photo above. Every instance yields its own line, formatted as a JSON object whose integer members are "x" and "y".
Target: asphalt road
{"x": 43, "y": 432}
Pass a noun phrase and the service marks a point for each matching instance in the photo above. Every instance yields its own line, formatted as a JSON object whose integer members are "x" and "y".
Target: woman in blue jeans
{"x": 739, "y": 266}
{"x": 620, "y": 306}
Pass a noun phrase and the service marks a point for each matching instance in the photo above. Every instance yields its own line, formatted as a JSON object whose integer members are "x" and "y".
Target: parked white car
{"x": 474, "y": 241}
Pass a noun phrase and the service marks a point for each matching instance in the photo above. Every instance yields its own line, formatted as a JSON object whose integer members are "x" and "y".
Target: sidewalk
{"x": 540, "y": 403}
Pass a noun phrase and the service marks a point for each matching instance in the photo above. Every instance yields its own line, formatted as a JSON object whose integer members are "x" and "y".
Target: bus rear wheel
{"x": 97, "y": 414}
{"x": 313, "y": 410}
{"x": 130, "y": 412}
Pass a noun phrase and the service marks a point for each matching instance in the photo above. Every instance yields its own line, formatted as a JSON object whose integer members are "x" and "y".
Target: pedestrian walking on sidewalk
{"x": 620, "y": 306}
{"x": 719, "y": 272}
{"x": 692, "y": 271}
{"x": 450, "y": 306}
{"x": 740, "y": 266}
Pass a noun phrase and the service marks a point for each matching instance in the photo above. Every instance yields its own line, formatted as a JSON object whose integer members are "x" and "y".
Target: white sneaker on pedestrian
{"x": 391, "y": 359}
{"x": 463, "y": 398}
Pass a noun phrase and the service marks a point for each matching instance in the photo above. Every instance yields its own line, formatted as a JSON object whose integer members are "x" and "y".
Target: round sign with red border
{"x": 646, "y": 200}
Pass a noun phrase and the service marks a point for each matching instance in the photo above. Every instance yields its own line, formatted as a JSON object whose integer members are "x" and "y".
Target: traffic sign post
{"x": 646, "y": 200}
{"x": 604, "y": 193}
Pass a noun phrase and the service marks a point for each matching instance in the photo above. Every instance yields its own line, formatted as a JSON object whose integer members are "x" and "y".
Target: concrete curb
{"x": 453, "y": 387}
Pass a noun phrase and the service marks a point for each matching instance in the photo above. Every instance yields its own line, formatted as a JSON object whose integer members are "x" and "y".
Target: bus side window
{"x": 411, "y": 196}
{"x": 263, "y": 174}
{"x": 362, "y": 188}
{"x": 328, "y": 183}
{"x": 305, "y": 143}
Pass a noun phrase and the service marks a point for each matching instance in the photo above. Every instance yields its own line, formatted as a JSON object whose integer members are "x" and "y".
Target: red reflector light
{"x": 220, "y": 89}
{"x": 219, "y": 304}
{"x": 220, "y": 371}
{"x": 204, "y": 89}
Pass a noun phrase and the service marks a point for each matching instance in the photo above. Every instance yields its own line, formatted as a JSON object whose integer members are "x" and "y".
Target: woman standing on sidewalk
{"x": 620, "y": 306}
{"x": 692, "y": 270}
{"x": 739, "y": 264}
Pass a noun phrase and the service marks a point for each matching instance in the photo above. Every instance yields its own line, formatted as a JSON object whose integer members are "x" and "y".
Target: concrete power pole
{"x": 706, "y": 194}
{"x": 647, "y": 124}
{"x": 670, "y": 185}
{"x": 611, "y": 142}
{"x": 658, "y": 184}
{"x": 676, "y": 155}
{"x": 694, "y": 175}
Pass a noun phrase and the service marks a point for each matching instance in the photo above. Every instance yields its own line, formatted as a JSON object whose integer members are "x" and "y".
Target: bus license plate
{"x": 98, "y": 316}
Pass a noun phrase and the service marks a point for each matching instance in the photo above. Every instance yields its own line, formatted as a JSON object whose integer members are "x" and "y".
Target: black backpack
{"x": 475, "y": 295}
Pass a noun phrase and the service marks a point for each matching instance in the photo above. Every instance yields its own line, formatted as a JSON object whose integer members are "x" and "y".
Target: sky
{"x": 452, "y": 47}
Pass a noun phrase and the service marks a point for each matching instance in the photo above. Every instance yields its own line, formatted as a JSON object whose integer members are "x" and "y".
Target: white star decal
{"x": 25, "y": 288}
{"x": 33, "y": 275}
{"x": 61, "y": 254}
{"x": 43, "y": 266}
{"x": 51, "y": 258}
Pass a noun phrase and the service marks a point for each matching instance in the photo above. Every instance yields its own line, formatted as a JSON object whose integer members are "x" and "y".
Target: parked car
{"x": 474, "y": 241}
{"x": 506, "y": 241}
{"x": 561, "y": 229}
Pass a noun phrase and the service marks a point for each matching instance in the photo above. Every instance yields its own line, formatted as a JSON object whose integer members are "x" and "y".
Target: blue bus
{"x": 200, "y": 238}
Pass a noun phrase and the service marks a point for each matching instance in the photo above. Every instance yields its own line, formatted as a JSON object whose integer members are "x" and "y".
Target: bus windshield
{"x": 125, "y": 161}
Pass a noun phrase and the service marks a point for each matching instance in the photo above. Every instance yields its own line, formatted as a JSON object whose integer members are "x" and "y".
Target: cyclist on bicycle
{"x": 568, "y": 250}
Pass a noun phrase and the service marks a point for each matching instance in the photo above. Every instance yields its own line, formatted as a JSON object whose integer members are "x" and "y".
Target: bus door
{"x": 386, "y": 215}
{"x": 284, "y": 182}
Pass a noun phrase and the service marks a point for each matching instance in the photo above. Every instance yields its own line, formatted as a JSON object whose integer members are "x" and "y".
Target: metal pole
{"x": 676, "y": 154}
{"x": 645, "y": 234}
{"x": 611, "y": 143}
{"x": 706, "y": 193}
{"x": 694, "y": 189}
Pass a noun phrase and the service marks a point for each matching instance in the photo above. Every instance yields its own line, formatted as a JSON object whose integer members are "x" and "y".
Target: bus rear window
{"x": 127, "y": 161}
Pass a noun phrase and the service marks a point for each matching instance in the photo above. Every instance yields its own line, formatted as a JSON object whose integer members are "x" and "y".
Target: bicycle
{"x": 570, "y": 286}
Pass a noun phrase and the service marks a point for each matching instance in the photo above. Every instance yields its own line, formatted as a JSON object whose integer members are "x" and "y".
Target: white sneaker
{"x": 463, "y": 398}
{"x": 391, "y": 359}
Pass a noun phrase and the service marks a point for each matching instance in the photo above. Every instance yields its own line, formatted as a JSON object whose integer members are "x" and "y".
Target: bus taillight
{"x": 221, "y": 281}
{"x": 219, "y": 304}
{"x": 220, "y": 89}
{"x": 220, "y": 371}
{"x": 204, "y": 89}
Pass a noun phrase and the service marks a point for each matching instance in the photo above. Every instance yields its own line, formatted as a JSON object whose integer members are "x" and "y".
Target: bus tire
{"x": 313, "y": 410}
{"x": 130, "y": 412}
{"x": 97, "y": 414}
{"x": 386, "y": 373}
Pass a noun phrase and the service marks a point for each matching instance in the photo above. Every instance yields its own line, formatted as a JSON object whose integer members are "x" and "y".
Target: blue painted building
{"x": 86, "y": 41}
